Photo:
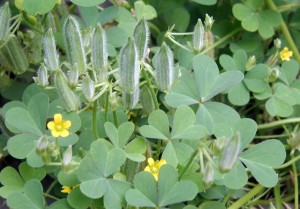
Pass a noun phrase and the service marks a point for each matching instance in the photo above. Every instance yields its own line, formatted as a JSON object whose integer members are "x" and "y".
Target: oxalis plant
{"x": 113, "y": 104}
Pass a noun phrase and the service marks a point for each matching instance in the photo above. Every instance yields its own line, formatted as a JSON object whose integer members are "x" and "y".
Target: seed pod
{"x": 208, "y": 22}
{"x": 73, "y": 76}
{"x": 88, "y": 88}
{"x": 274, "y": 73}
{"x": 66, "y": 94}
{"x": 99, "y": 52}
{"x": 164, "y": 65}
{"x": 42, "y": 76}
{"x": 208, "y": 176}
{"x": 230, "y": 153}
{"x": 277, "y": 43}
{"x": 250, "y": 63}
{"x": 49, "y": 22}
{"x": 147, "y": 100}
{"x": 73, "y": 43}
{"x": 208, "y": 42}
{"x": 4, "y": 20}
{"x": 141, "y": 37}
{"x": 16, "y": 59}
{"x": 41, "y": 145}
{"x": 131, "y": 99}
{"x": 51, "y": 56}
{"x": 129, "y": 67}
{"x": 67, "y": 158}
{"x": 198, "y": 36}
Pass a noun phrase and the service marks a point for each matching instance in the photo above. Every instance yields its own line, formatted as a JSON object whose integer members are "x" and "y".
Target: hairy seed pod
{"x": 66, "y": 94}
{"x": 129, "y": 67}
{"x": 209, "y": 20}
{"x": 164, "y": 65}
{"x": 4, "y": 20}
{"x": 88, "y": 88}
{"x": 251, "y": 62}
{"x": 16, "y": 59}
{"x": 41, "y": 145}
{"x": 147, "y": 100}
{"x": 208, "y": 42}
{"x": 132, "y": 98}
{"x": 73, "y": 76}
{"x": 198, "y": 36}
{"x": 42, "y": 76}
{"x": 230, "y": 153}
{"x": 208, "y": 176}
{"x": 99, "y": 52}
{"x": 73, "y": 43}
{"x": 51, "y": 55}
{"x": 141, "y": 37}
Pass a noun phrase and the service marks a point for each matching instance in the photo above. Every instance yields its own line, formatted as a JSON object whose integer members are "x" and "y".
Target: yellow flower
{"x": 285, "y": 54}
{"x": 58, "y": 127}
{"x": 153, "y": 167}
{"x": 66, "y": 189}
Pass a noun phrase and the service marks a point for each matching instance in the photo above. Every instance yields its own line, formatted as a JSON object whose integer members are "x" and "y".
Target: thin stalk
{"x": 151, "y": 89}
{"x": 51, "y": 196}
{"x": 286, "y": 32}
{"x": 154, "y": 27}
{"x": 115, "y": 118}
{"x": 182, "y": 34}
{"x": 278, "y": 123}
{"x": 188, "y": 163}
{"x": 227, "y": 197}
{"x": 95, "y": 130}
{"x": 243, "y": 200}
{"x": 106, "y": 106}
{"x": 179, "y": 44}
{"x": 158, "y": 147}
{"x": 296, "y": 190}
{"x": 285, "y": 7}
{"x": 222, "y": 40}
{"x": 277, "y": 195}
{"x": 51, "y": 186}
{"x": 272, "y": 136}
{"x": 292, "y": 161}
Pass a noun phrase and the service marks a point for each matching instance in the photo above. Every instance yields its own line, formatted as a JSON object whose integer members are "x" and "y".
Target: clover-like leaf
{"x": 34, "y": 7}
{"x": 144, "y": 11}
{"x": 260, "y": 160}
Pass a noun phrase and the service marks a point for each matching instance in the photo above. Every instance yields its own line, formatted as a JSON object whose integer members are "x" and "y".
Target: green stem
{"x": 95, "y": 130}
{"x": 285, "y": 7}
{"x": 222, "y": 40}
{"x": 154, "y": 27}
{"x": 51, "y": 186}
{"x": 158, "y": 147}
{"x": 182, "y": 34}
{"x": 188, "y": 163}
{"x": 151, "y": 89}
{"x": 106, "y": 107}
{"x": 277, "y": 195}
{"x": 286, "y": 32}
{"x": 51, "y": 196}
{"x": 292, "y": 161}
{"x": 178, "y": 44}
{"x": 227, "y": 197}
{"x": 31, "y": 26}
{"x": 240, "y": 202}
{"x": 279, "y": 123}
{"x": 115, "y": 118}
{"x": 272, "y": 136}
{"x": 296, "y": 190}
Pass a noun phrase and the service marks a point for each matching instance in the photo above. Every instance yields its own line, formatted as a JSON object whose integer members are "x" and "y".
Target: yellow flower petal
{"x": 55, "y": 133}
{"x": 51, "y": 125}
{"x": 161, "y": 163}
{"x": 66, "y": 124}
{"x": 64, "y": 133}
{"x": 155, "y": 177}
{"x": 57, "y": 118}
{"x": 150, "y": 161}
{"x": 147, "y": 169}
{"x": 66, "y": 189}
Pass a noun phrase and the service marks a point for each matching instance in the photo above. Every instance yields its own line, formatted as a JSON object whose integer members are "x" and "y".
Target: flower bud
{"x": 67, "y": 158}
{"x": 51, "y": 55}
{"x": 209, "y": 20}
{"x": 41, "y": 145}
{"x": 274, "y": 73}
{"x": 198, "y": 36}
{"x": 73, "y": 43}
{"x": 208, "y": 42}
{"x": 66, "y": 94}
{"x": 250, "y": 62}
{"x": 53, "y": 149}
{"x": 147, "y": 100}
{"x": 277, "y": 43}
{"x": 88, "y": 88}
{"x": 164, "y": 65}
{"x": 73, "y": 76}
{"x": 230, "y": 153}
{"x": 129, "y": 67}
{"x": 42, "y": 76}
{"x": 4, "y": 20}
{"x": 99, "y": 52}
{"x": 208, "y": 176}
{"x": 141, "y": 37}
{"x": 131, "y": 99}
{"x": 219, "y": 144}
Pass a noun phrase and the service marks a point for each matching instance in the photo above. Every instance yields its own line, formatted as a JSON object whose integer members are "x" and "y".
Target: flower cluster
{"x": 285, "y": 54}
{"x": 59, "y": 127}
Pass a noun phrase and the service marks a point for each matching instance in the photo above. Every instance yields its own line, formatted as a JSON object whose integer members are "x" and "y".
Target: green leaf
{"x": 159, "y": 120}
{"x": 77, "y": 200}
{"x": 144, "y": 11}
{"x": 135, "y": 149}
{"x": 247, "y": 129}
{"x": 212, "y": 204}
{"x": 239, "y": 175}
{"x": 289, "y": 71}
{"x": 41, "y": 7}
{"x": 19, "y": 120}
{"x": 108, "y": 14}
{"x": 11, "y": 181}
{"x": 90, "y": 15}
{"x": 251, "y": 23}
{"x": 181, "y": 21}
{"x": 27, "y": 145}
{"x": 239, "y": 95}
{"x": 125, "y": 131}
{"x": 116, "y": 36}
{"x": 205, "y": 2}
{"x": 87, "y": 3}
{"x": 256, "y": 78}
{"x": 115, "y": 193}
{"x": 28, "y": 172}
{"x": 151, "y": 132}
{"x": 62, "y": 203}
{"x": 240, "y": 11}
{"x": 31, "y": 196}
{"x": 260, "y": 159}
{"x": 112, "y": 133}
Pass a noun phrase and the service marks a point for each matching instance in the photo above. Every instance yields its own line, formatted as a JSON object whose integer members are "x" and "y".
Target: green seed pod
{"x": 147, "y": 100}
{"x": 208, "y": 22}
{"x": 164, "y": 65}
{"x": 230, "y": 153}
{"x": 42, "y": 76}
{"x": 129, "y": 67}
{"x": 4, "y": 20}
{"x": 274, "y": 73}
{"x": 73, "y": 76}
{"x": 51, "y": 55}
{"x": 208, "y": 176}
{"x": 277, "y": 43}
{"x": 198, "y": 36}
{"x": 66, "y": 94}
{"x": 131, "y": 99}
{"x": 67, "y": 158}
{"x": 41, "y": 145}
{"x": 141, "y": 37}
{"x": 73, "y": 43}
{"x": 250, "y": 63}
{"x": 99, "y": 52}
{"x": 88, "y": 88}
{"x": 16, "y": 59}
{"x": 208, "y": 42}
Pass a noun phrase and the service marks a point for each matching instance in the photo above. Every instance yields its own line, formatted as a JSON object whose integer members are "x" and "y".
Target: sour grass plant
{"x": 127, "y": 111}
